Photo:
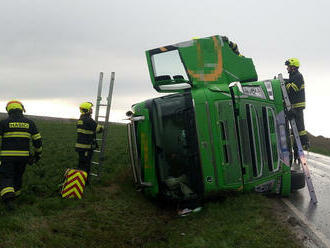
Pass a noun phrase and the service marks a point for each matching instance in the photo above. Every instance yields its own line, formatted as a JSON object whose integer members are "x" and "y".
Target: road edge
{"x": 316, "y": 236}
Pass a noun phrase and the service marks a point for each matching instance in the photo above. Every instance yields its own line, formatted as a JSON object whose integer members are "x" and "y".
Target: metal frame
{"x": 103, "y": 139}
{"x": 133, "y": 152}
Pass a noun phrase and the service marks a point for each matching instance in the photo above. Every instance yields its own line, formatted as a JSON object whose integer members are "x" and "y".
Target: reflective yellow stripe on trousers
{"x": 298, "y": 105}
{"x": 78, "y": 145}
{"x": 7, "y": 190}
{"x": 14, "y": 153}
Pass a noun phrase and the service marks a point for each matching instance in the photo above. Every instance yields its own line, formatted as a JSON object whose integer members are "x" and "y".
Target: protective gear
{"x": 86, "y": 133}
{"x": 31, "y": 160}
{"x": 86, "y": 107}
{"x": 85, "y": 158}
{"x": 37, "y": 157}
{"x": 34, "y": 158}
{"x": 295, "y": 86}
{"x": 225, "y": 38}
{"x": 99, "y": 128}
{"x": 14, "y": 104}
{"x": 292, "y": 62}
{"x": 232, "y": 45}
{"x": 291, "y": 114}
{"x": 16, "y": 132}
{"x": 307, "y": 145}
{"x": 86, "y": 140}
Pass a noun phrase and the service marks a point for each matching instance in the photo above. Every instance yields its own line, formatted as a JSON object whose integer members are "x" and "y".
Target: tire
{"x": 297, "y": 180}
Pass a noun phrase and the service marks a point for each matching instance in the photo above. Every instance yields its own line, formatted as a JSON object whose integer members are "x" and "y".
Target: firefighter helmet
{"x": 86, "y": 107}
{"x": 292, "y": 62}
{"x": 14, "y": 104}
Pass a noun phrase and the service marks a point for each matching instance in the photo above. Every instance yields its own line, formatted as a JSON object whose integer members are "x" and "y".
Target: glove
{"x": 37, "y": 157}
{"x": 95, "y": 145}
{"x": 99, "y": 129}
{"x": 31, "y": 160}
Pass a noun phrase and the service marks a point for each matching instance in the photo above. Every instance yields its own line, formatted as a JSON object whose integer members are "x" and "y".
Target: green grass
{"x": 320, "y": 144}
{"x": 113, "y": 214}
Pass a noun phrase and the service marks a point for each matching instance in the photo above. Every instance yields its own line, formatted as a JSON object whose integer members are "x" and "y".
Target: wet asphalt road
{"x": 318, "y": 214}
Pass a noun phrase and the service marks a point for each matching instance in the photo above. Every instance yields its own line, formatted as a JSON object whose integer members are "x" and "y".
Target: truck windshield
{"x": 169, "y": 64}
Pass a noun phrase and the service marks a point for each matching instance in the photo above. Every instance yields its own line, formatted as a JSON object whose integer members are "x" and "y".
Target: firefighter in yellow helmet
{"x": 295, "y": 86}
{"x": 16, "y": 132}
{"x": 86, "y": 136}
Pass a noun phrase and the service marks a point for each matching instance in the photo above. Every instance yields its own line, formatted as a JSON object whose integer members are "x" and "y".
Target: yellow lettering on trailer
{"x": 19, "y": 125}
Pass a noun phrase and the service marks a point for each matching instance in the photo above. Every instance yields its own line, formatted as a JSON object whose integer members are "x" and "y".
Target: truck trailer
{"x": 220, "y": 129}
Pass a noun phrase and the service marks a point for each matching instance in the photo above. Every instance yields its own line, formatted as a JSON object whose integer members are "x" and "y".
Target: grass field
{"x": 320, "y": 144}
{"x": 113, "y": 214}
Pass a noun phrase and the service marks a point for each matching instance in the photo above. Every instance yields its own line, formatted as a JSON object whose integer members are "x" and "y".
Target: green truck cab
{"x": 220, "y": 130}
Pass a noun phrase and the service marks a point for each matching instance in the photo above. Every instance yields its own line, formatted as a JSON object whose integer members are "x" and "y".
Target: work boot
{"x": 8, "y": 200}
{"x": 9, "y": 205}
{"x": 307, "y": 146}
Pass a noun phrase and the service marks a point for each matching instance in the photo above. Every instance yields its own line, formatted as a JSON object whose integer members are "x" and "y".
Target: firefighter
{"x": 296, "y": 90}
{"x": 86, "y": 136}
{"x": 232, "y": 45}
{"x": 15, "y": 134}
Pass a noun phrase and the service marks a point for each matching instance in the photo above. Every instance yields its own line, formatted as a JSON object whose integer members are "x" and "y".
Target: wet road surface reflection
{"x": 318, "y": 214}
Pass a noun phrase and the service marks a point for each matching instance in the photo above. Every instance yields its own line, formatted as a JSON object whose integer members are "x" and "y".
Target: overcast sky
{"x": 51, "y": 52}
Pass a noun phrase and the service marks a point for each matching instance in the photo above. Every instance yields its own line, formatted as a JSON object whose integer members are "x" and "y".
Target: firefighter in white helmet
{"x": 86, "y": 136}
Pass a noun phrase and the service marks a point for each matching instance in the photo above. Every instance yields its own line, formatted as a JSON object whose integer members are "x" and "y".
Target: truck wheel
{"x": 297, "y": 180}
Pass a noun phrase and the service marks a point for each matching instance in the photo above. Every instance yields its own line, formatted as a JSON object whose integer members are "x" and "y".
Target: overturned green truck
{"x": 220, "y": 130}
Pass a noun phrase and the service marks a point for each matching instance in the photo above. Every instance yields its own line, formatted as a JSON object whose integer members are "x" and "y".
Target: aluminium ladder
{"x": 301, "y": 154}
{"x": 103, "y": 136}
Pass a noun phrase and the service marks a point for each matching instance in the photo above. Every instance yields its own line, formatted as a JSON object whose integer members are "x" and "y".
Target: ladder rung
{"x": 97, "y": 151}
{"x": 99, "y": 139}
{"x": 103, "y": 104}
{"x": 93, "y": 174}
{"x": 101, "y": 116}
{"x": 95, "y": 163}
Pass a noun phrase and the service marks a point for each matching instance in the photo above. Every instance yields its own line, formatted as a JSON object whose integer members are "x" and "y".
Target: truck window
{"x": 168, "y": 64}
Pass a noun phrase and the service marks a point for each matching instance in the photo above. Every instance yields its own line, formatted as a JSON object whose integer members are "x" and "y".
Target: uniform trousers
{"x": 11, "y": 175}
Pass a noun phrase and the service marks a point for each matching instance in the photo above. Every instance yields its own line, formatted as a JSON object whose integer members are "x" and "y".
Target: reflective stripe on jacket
{"x": 86, "y": 133}
{"x": 16, "y": 132}
{"x": 296, "y": 90}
